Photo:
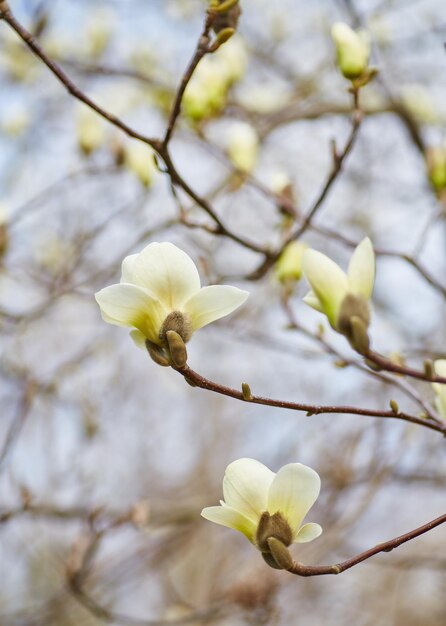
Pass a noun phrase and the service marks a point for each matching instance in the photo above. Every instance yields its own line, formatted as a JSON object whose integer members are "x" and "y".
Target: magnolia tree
{"x": 258, "y": 165}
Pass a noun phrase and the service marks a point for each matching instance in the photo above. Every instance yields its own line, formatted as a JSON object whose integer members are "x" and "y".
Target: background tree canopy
{"x": 124, "y": 123}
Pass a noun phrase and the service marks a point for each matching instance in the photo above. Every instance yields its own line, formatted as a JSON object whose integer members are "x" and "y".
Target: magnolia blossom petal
{"x": 128, "y": 273}
{"x": 361, "y": 269}
{"x": 132, "y": 306}
{"x": 308, "y": 532}
{"x": 138, "y": 339}
{"x": 212, "y": 303}
{"x": 293, "y": 492}
{"x": 327, "y": 280}
{"x": 167, "y": 272}
{"x": 312, "y": 300}
{"x": 245, "y": 487}
{"x": 227, "y": 516}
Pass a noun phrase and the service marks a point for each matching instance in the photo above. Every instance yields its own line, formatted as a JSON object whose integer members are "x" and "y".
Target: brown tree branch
{"x": 320, "y": 570}
{"x": 197, "y": 380}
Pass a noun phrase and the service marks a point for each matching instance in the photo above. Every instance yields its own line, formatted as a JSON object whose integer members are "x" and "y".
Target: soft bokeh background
{"x": 95, "y": 439}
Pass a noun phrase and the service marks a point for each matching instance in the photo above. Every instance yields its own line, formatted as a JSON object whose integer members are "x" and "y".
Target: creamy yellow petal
{"x": 361, "y": 270}
{"x": 212, "y": 303}
{"x": 327, "y": 280}
{"x": 312, "y": 300}
{"x": 307, "y": 533}
{"x": 138, "y": 339}
{"x": 167, "y": 272}
{"x": 131, "y": 306}
{"x": 226, "y": 516}
{"x": 293, "y": 492}
{"x": 245, "y": 487}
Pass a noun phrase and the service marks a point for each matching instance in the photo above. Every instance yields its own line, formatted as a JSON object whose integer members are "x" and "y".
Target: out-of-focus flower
{"x": 436, "y": 167}
{"x": 90, "y": 130}
{"x": 263, "y": 505}
{"x": 4, "y": 235}
{"x": 344, "y": 298}
{"x": 206, "y": 93}
{"x": 439, "y": 388}
{"x": 139, "y": 158}
{"x": 243, "y": 146}
{"x": 288, "y": 268}
{"x": 352, "y": 50}
{"x": 160, "y": 293}
{"x": 16, "y": 60}
{"x": 15, "y": 123}
{"x": 99, "y": 31}
{"x": 55, "y": 255}
{"x": 420, "y": 104}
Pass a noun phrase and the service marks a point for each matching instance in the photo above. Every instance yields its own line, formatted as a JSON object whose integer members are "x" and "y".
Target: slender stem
{"x": 203, "y": 383}
{"x": 320, "y": 570}
{"x": 201, "y": 50}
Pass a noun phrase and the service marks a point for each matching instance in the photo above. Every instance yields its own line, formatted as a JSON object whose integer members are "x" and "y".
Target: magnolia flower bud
{"x": 436, "y": 167}
{"x": 243, "y": 147}
{"x": 288, "y": 268}
{"x": 343, "y": 297}
{"x": 139, "y": 159}
{"x": 90, "y": 130}
{"x": 352, "y": 50}
{"x": 439, "y": 388}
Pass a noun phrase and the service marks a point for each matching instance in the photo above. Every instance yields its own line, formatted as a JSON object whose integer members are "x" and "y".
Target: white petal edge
{"x": 327, "y": 280}
{"x": 212, "y": 303}
{"x": 226, "y": 516}
{"x": 127, "y": 271}
{"x": 138, "y": 339}
{"x": 166, "y": 271}
{"x": 312, "y": 300}
{"x": 293, "y": 492}
{"x": 361, "y": 269}
{"x": 131, "y": 306}
{"x": 308, "y": 532}
{"x": 245, "y": 487}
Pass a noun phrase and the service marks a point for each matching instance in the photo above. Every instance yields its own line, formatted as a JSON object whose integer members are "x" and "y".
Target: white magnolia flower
{"x": 250, "y": 490}
{"x": 440, "y": 388}
{"x": 243, "y": 146}
{"x": 160, "y": 291}
{"x": 352, "y": 50}
{"x": 331, "y": 285}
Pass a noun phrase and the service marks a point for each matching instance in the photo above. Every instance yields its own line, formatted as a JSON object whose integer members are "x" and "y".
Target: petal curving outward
{"x": 293, "y": 492}
{"x": 308, "y": 532}
{"x": 361, "y": 269}
{"x": 312, "y": 300}
{"x": 128, "y": 274}
{"x": 138, "y": 339}
{"x": 132, "y": 306}
{"x": 212, "y": 303}
{"x": 167, "y": 272}
{"x": 327, "y": 280}
{"x": 245, "y": 487}
{"x": 227, "y": 516}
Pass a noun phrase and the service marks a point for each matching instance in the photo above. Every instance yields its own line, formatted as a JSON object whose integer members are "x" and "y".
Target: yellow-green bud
{"x": 352, "y": 50}
{"x": 436, "y": 167}
{"x": 289, "y": 265}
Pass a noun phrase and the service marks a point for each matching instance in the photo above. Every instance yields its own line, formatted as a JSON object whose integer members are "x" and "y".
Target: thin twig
{"x": 320, "y": 570}
{"x": 204, "y": 383}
